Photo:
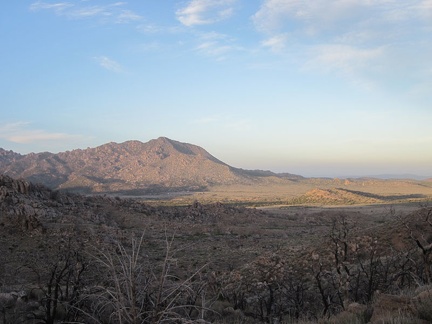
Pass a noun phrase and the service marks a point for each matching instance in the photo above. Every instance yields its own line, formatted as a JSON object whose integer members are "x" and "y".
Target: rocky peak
{"x": 168, "y": 146}
{"x": 8, "y": 156}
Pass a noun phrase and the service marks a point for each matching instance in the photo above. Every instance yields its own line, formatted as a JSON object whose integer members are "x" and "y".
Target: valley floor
{"x": 309, "y": 192}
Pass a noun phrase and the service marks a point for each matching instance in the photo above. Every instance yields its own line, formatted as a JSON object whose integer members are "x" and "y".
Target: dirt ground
{"x": 354, "y": 191}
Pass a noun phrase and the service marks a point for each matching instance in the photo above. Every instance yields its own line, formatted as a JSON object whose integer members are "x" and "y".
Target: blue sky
{"x": 317, "y": 88}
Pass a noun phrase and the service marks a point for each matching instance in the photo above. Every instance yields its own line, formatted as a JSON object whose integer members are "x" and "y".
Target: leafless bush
{"x": 423, "y": 304}
{"x": 59, "y": 281}
{"x": 422, "y": 239}
{"x": 131, "y": 290}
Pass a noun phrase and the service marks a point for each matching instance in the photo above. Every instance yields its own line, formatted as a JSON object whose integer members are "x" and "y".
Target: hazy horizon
{"x": 329, "y": 171}
{"x": 322, "y": 88}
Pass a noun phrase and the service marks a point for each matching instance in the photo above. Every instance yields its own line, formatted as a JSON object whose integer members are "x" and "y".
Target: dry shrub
{"x": 423, "y": 304}
{"x": 354, "y": 314}
{"x": 395, "y": 318}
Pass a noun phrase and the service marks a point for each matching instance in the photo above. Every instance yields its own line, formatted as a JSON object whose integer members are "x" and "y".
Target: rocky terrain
{"x": 62, "y": 253}
{"x": 132, "y": 167}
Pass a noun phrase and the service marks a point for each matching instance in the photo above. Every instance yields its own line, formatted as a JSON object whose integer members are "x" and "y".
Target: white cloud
{"x": 110, "y": 12}
{"x": 425, "y": 9}
{"x": 426, "y": 5}
{"x": 343, "y": 57}
{"x": 89, "y": 12}
{"x": 367, "y": 41}
{"x": 328, "y": 18}
{"x": 58, "y": 7}
{"x": 364, "y": 21}
{"x": 118, "y": 4}
{"x": 276, "y": 43}
{"x": 355, "y": 64}
{"x": 108, "y": 64}
{"x": 150, "y": 28}
{"x": 126, "y": 16}
{"x": 20, "y": 133}
{"x": 216, "y": 45}
{"x": 214, "y": 49}
{"x": 202, "y": 12}
{"x": 272, "y": 12}
{"x": 311, "y": 16}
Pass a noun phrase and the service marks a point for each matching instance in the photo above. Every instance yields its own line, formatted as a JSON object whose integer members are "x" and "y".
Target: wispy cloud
{"x": 351, "y": 37}
{"x": 109, "y": 64}
{"x": 21, "y": 133}
{"x": 112, "y": 12}
{"x": 313, "y": 16}
{"x": 58, "y": 7}
{"x": 214, "y": 49}
{"x": 425, "y": 6}
{"x": 343, "y": 58}
{"x": 151, "y": 28}
{"x": 276, "y": 43}
{"x": 87, "y": 12}
{"x": 344, "y": 21}
{"x": 126, "y": 16}
{"x": 202, "y": 12}
{"x": 216, "y": 45}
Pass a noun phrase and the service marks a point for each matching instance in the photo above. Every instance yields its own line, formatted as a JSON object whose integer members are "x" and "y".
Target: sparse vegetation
{"x": 102, "y": 259}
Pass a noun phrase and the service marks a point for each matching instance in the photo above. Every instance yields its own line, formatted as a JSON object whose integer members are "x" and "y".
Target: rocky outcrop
{"x": 16, "y": 206}
{"x": 31, "y": 208}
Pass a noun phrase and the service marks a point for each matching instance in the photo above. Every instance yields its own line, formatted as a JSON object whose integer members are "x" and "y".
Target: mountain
{"x": 402, "y": 176}
{"x": 159, "y": 165}
{"x": 7, "y": 157}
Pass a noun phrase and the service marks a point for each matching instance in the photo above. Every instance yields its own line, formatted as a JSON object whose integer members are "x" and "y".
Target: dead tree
{"x": 424, "y": 244}
{"x": 60, "y": 279}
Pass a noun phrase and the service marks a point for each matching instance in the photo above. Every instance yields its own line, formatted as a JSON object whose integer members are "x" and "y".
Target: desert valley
{"x": 216, "y": 161}
{"x": 164, "y": 232}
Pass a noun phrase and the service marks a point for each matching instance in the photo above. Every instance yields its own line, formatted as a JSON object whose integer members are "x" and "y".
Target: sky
{"x": 325, "y": 88}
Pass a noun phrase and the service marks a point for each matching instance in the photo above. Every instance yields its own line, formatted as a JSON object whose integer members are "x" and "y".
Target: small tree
{"x": 60, "y": 278}
{"x": 423, "y": 241}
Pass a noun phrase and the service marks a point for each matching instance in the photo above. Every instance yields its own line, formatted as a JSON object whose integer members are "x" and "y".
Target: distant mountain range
{"x": 399, "y": 176}
{"x": 159, "y": 165}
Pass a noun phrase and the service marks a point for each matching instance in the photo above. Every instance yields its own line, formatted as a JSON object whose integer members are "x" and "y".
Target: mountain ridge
{"x": 160, "y": 164}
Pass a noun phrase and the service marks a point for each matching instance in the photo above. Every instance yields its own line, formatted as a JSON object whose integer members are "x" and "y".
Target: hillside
{"x": 307, "y": 265}
{"x": 135, "y": 167}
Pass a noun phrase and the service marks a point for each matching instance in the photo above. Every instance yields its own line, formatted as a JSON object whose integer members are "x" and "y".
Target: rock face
{"x": 159, "y": 164}
{"x": 16, "y": 206}
{"x": 29, "y": 207}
